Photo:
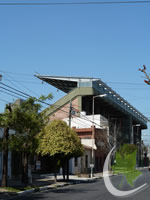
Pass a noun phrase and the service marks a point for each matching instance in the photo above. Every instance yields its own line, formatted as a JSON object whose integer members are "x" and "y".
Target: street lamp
{"x": 132, "y": 133}
{"x": 93, "y": 132}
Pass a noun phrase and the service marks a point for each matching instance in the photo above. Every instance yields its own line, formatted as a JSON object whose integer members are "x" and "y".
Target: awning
{"x": 87, "y": 143}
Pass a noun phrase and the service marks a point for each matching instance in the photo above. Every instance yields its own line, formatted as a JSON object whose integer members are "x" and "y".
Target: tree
{"x": 57, "y": 139}
{"x": 4, "y": 122}
{"x": 27, "y": 121}
{"x": 146, "y": 75}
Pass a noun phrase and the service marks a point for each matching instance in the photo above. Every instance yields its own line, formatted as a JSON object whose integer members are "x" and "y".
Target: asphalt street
{"x": 92, "y": 191}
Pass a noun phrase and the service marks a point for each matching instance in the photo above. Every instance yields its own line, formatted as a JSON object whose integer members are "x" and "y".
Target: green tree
{"x": 57, "y": 139}
{"x": 27, "y": 121}
{"x": 5, "y": 123}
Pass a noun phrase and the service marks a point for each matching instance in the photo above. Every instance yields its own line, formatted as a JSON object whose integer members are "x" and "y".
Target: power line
{"x": 4, "y": 100}
{"x": 25, "y": 95}
{"x": 74, "y": 3}
{"x": 57, "y": 106}
{"x": 28, "y": 82}
{"x": 20, "y": 83}
{"x": 16, "y": 73}
{"x": 15, "y": 90}
{"x": 108, "y": 82}
{"x": 9, "y": 94}
{"x": 124, "y": 83}
{"x": 129, "y": 88}
{"x": 12, "y": 92}
{"x": 18, "y": 93}
{"x": 25, "y": 80}
{"x": 21, "y": 77}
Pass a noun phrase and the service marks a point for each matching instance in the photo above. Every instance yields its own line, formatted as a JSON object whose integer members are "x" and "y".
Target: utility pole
{"x": 70, "y": 115}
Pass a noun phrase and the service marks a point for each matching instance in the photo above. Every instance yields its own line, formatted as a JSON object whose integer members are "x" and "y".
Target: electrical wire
{"x": 58, "y": 106}
{"x": 124, "y": 83}
{"x": 28, "y": 81}
{"x": 25, "y": 95}
{"x": 4, "y": 100}
{"x": 16, "y": 73}
{"x": 129, "y": 88}
{"x": 14, "y": 92}
{"x": 107, "y": 82}
{"x": 75, "y": 3}
{"x": 20, "y": 83}
{"x": 81, "y": 123}
{"x": 9, "y": 94}
{"x": 15, "y": 89}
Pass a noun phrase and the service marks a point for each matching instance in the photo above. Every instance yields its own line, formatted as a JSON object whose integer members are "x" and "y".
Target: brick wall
{"x": 63, "y": 112}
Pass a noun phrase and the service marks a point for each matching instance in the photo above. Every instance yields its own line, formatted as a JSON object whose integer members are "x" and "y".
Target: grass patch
{"x": 29, "y": 187}
{"x": 9, "y": 189}
{"x": 15, "y": 189}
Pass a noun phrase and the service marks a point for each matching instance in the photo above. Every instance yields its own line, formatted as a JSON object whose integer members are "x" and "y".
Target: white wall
{"x": 85, "y": 121}
{"x": 81, "y": 163}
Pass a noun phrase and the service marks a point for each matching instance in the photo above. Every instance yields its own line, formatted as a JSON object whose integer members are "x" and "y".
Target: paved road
{"x": 91, "y": 191}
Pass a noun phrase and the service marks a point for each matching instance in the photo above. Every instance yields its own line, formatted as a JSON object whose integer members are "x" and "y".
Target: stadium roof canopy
{"x": 67, "y": 84}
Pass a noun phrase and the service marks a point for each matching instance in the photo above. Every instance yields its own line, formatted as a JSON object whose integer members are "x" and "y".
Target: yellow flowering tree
{"x": 58, "y": 140}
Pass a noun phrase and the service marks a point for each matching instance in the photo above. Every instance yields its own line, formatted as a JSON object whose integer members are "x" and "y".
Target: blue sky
{"x": 109, "y": 42}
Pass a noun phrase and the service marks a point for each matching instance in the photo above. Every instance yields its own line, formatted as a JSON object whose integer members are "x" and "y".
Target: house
{"x": 95, "y": 139}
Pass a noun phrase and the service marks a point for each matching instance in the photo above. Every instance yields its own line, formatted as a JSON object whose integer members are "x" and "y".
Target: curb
{"x": 54, "y": 186}
{"x": 42, "y": 188}
{"x": 57, "y": 185}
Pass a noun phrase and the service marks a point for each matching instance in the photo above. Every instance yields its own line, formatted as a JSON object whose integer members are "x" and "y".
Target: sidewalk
{"x": 45, "y": 182}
